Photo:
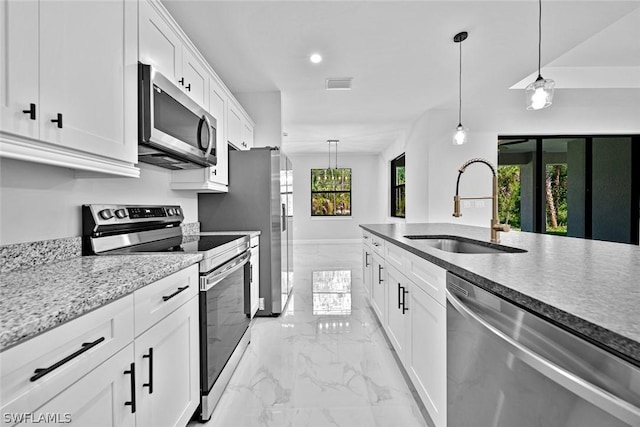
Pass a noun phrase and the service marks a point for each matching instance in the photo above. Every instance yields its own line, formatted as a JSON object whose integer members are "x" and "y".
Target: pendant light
{"x": 460, "y": 134}
{"x": 539, "y": 94}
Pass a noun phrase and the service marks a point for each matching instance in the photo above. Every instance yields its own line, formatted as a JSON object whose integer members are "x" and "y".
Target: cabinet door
{"x": 367, "y": 270}
{"x": 247, "y": 135}
{"x": 159, "y": 44}
{"x": 19, "y": 68}
{"x": 88, "y": 76}
{"x": 196, "y": 78}
{"x": 397, "y": 321}
{"x": 167, "y": 362}
{"x": 234, "y": 123}
{"x": 378, "y": 285}
{"x": 97, "y": 399}
{"x": 255, "y": 279}
{"x": 218, "y": 109}
{"x": 427, "y": 353}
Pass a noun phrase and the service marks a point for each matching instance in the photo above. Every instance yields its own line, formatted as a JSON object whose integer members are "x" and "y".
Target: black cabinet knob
{"x": 31, "y": 111}
{"x": 58, "y": 121}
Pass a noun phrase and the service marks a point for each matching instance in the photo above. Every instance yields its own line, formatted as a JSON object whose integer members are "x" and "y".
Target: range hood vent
{"x": 343, "y": 83}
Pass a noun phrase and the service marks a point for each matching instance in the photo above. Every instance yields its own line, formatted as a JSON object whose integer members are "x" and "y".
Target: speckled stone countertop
{"x": 589, "y": 287}
{"x": 36, "y": 299}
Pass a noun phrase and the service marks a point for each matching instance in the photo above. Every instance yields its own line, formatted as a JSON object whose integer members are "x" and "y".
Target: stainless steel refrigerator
{"x": 259, "y": 198}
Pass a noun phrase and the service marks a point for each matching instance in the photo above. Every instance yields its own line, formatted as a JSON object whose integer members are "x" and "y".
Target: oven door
{"x": 171, "y": 124}
{"x": 222, "y": 318}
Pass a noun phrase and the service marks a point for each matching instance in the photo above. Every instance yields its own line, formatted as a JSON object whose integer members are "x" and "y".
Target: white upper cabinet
{"x": 247, "y": 135}
{"x": 218, "y": 108}
{"x": 69, "y": 76}
{"x": 163, "y": 48}
{"x": 234, "y": 126}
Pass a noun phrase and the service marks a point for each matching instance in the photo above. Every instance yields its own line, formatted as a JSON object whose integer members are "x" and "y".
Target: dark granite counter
{"x": 36, "y": 299}
{"x": 589, "y": 287}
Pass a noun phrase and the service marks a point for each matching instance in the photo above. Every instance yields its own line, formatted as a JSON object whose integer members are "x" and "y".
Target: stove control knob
{"x": 121, "y": 213}
{"x": 106, "y": 214}
{"x": 177, "y": 211}
{"x": 170, "y": 212}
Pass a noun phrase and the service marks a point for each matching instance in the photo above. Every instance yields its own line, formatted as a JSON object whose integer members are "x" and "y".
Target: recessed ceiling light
{"x": 315, "y": 58}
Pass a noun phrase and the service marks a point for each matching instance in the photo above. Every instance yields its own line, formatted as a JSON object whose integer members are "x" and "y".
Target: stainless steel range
{"x": 224, "y": 279}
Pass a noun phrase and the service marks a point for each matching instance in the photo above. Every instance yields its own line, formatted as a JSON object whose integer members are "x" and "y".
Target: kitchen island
{"x": 591, "y": 288}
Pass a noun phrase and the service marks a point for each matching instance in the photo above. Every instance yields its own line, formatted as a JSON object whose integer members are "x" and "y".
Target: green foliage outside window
{"x": 331, "y": 192}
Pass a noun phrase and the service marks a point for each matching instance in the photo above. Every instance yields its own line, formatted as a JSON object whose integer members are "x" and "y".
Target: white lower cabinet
{"x": 397, "y": 321}
{"x": 93, "y": 371}
{"x": 426, "y": 360}
{"x": 99, "y": 398}
{"x": 378, "y": 287}
{"x": 407, "y": 295}
{"x": 367, "y": 269}
{"x": 167, "y": 369}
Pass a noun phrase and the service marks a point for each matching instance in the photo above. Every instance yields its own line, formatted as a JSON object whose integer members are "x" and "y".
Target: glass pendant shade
{"x": 539, "y": 94}
{"x": 460, "y": 135}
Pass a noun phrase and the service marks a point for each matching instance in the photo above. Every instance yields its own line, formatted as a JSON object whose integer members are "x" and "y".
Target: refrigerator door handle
{"x": 284, "y": 217}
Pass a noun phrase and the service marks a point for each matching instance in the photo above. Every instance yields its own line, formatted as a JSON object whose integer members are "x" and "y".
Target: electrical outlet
{"x": 479, "y": 203}
{"x": 261, "y": 303}
{"x": 466, "y": 204}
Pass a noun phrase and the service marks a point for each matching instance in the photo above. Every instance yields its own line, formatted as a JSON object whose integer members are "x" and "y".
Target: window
{"x": 398, "y": 192}
{"x": 580, "y": 186}
{"x": 331, "y": 192}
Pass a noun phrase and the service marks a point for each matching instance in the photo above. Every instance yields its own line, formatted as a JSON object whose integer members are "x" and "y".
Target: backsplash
{"x": 20, "y": 256}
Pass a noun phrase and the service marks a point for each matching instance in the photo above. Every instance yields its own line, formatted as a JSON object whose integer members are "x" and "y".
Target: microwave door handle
{"x": 210, "y": 145}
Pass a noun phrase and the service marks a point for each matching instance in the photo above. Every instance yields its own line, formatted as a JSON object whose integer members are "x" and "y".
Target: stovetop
{"x": 184, "y": 244}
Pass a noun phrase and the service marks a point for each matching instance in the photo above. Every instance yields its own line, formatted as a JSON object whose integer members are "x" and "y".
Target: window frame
{"x": 314, "y": 215}
{"x": 395, "y": 187}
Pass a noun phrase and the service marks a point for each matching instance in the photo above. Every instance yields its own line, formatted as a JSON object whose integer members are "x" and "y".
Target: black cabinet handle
{"x": 250, "y": 273}
{"x": 189, "y": 87}
{"x": 150, "y": 357}
{"x": 132, "y": 371}
{"x": 58, "y": 121}
{"x": 366, "y": 259}
{"x": 86, "y": 346}
{"x": 399, "y": 296}
{"x": 181, "y": 81}
{"x": 380, "y": 273}
{"x": 167, "y": 298}
{"x": 31, "y": 111}
{"x": 215, "y": 171}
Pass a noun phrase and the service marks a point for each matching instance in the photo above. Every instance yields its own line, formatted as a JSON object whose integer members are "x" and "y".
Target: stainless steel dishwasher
{"x": 507, "y": 367}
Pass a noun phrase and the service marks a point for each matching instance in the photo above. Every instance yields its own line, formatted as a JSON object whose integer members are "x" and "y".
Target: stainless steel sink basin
{"x": 463, "y": 245}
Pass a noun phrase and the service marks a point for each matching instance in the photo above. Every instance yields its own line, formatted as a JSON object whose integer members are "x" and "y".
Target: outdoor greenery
{"x": 509, "y": 197}
{"x": 331, "y": 192}
{"x": 400, "y": 192}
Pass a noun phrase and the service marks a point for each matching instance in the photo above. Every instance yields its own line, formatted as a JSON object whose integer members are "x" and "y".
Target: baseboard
{"x": 327, "y": 242}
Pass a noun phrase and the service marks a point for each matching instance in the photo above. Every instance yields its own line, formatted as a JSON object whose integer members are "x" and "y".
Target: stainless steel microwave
{"x": 174, "y": 131}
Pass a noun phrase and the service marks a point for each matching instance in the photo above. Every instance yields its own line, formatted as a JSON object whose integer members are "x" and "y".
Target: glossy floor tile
{"x": 325, "y": 361}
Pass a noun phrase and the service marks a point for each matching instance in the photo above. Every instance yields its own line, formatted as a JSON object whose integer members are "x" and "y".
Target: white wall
{"x": 40, "y": 202}
{"x": 366, "y": 205}
{"x": 265, "y": 109}
{"x": 432, "y": 161}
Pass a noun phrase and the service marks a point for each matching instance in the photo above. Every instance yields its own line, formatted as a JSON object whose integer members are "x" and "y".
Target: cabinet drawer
{"x": 366, "y": 238}
{"x": 394, "y": 256}
{"x": 377, "y": 244}
{"x": 109, "y": 327}
{"x": 429, "y": 277}
{"x": 155, "y": 301}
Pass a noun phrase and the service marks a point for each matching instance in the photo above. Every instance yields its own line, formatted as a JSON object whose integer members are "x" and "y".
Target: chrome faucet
{"x": 495, "y": 223}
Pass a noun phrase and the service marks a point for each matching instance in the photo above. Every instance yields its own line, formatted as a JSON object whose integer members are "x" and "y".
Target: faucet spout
{"x": 495, "y": 223}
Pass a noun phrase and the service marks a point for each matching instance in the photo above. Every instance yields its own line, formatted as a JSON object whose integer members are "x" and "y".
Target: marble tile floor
{"x": 324, "y": 361}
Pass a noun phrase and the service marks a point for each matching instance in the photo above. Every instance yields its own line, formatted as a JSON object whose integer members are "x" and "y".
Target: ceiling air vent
{"x": 343, "y": 83}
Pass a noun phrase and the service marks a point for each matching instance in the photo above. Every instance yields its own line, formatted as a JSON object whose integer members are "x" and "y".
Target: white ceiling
{"x": 402, "y": 58}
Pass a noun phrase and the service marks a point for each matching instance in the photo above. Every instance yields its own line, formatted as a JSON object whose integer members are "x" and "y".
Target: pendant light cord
{"x": 539, "y": 36}
{"x": 460, "y": 88}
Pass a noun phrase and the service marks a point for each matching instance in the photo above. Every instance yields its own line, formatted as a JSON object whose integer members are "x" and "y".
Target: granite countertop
{"x": 589, "y": 287}
{"x": 36, "y": 299}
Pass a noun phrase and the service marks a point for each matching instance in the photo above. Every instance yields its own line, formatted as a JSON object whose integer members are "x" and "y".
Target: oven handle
{"x": 216, "y": 276}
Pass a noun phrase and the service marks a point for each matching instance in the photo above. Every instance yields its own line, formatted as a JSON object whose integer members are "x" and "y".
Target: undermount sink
{"x": 463, "y": 245}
